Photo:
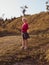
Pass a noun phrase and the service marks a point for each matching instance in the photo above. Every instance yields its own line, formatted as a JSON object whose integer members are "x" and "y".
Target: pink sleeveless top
{"x": 24, "y": 27}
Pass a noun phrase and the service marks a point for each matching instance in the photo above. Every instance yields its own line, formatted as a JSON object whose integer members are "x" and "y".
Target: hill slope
{"x": 37, "y": 23}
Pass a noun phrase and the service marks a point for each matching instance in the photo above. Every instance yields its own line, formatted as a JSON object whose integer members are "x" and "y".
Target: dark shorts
{"x": 25, "y": 35}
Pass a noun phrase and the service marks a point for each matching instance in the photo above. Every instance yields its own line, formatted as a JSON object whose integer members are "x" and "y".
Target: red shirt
{"x": 24, "y": 27}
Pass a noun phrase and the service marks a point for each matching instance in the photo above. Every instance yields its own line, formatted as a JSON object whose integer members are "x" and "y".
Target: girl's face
{"x": 24, "y": 20}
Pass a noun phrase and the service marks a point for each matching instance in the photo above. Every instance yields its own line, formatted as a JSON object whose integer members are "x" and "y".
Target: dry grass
{"x": 38, "y": 44}
{"x": 36, "y": 22}
{"x": 38, "y": 47}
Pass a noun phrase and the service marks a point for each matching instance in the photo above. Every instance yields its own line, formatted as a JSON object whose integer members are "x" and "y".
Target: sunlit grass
{"x": 10, "y": 48}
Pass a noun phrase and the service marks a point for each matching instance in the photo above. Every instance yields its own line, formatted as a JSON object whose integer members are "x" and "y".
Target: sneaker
{"x": 25, "y": 48}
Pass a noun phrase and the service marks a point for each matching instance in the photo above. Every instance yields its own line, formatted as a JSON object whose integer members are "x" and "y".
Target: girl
{"x": 25, "y": 35}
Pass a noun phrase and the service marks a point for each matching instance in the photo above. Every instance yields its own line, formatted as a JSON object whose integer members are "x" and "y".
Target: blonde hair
{"x": 23, "y": 18}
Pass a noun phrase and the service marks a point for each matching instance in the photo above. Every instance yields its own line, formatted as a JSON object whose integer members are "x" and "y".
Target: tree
{"x": 24, "y": 9}
{"x": 47, "y": 5}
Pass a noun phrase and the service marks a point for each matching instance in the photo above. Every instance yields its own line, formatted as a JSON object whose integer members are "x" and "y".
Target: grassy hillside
{"x": 37, "y": 23}
{"x": 38, "y": 43}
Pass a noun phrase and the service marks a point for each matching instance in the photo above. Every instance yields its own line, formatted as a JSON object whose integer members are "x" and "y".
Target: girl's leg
{"x": 26, "y": 44}
{"x": 23, "y": 43}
